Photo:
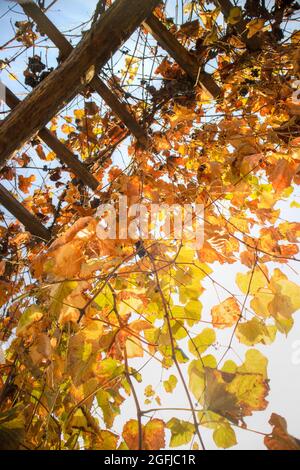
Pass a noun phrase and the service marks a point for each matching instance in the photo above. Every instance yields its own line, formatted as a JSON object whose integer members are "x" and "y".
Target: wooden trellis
{"x": 80, "y": 67}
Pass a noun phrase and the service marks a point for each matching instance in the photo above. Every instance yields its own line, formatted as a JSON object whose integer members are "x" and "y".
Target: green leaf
{"x": 201, "y": 342}
{"x": 224, "y": 436}
{"x": 196, "y": 372}
{"x": 61, "y": 292}
{"x": 108, "y": 402}
{"x": 31, "y": 315}
{"x": 170, "y": 384}
{"x": 193, "y": 311}
{"x": 235, "y": 15}
{"x": 181, "y": 432}
{"x": 181, "y": 356}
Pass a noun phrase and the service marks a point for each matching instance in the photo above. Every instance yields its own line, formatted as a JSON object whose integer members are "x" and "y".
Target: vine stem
{"x": 128, "y": 376}
{"x": 167, "y": 317}
{"x": 136, "y": 401}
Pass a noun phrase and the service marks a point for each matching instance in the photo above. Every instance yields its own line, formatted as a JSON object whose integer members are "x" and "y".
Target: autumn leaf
{"x": 279, "y": 439}
{"x": 2, "y": 267}
{"x": 218, "y": 398}
{"x": 251, "y": 391}
{"x": 170, "y": 384}
{"x": 196, "y": 372}
{"x": 255, "y": 331}
{"x": 181, "y": 432}
{"x": 12, "y": 428}
{"x": 224, "y": 436}
{"x": 252, "y": 281}
{"x": 40, "y": 350}
{"x": 254, "y": 26}
{"x": 282, "y": 175}
{"x": 235, "y": 15}
{"x": 182, "y": 114}
{"x": 25, "y": 183}
{"x": 201, "y": 342}
{"x": 153, "y": 434}
{"x": 105, "y": 440}
{"x": 67, "y": 129}
{"x": 226, "y": 314}
{"x": 31, "y": 315}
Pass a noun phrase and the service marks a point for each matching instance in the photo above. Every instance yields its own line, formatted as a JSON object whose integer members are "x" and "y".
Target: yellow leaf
{"x": 12, "y": 76}
{"x": 211, "y": 37}
{"x": 235, "y": 15}
{"x": 260, "y": 302}
{"x": 251, "y": 282}
{"x": 79, "y": 113}
{"x": 255, "y": 363}
{"x": 295, "y": 37}
{"x": 255, "y": 331}
{"x": 254, "y": 26}
{"x": 181, "y": 432}
{"x": 201, "y": 342}
{"x": 186, "y": 255}
{"x": 104, "y": 440}
{"x": 66, "y": 129}
{"x": 251, "y": 391}
{"x": 193, "y": 311}
{"x": 134, "y": 347}
{"x": 229, "y": 366}
{"x": 182, "y": 114}
{"x": 32, "y": 315}
{"x": 170, "y": 384}
{"x": 224, "y": 436}
{"x": 196, "y": 372}
{"x": 287, "y": 294}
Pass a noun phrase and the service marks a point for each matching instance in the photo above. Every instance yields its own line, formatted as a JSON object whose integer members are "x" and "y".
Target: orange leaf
{"x": 154, "y": 435}
{"x": 25, "y": 183}
{"x": 131, "y": 434}
{"x": 280, "y": 439}
{"x": 226, "y": 313}
{"x": 282, "y": 175}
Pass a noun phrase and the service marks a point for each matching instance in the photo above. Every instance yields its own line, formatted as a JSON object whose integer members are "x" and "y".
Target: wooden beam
{"x": 183, "y": 58}
{"x": 46, "y": 26}
{"x": 63, "y": 153}
{"x": 30, "y": 222}
{"x": 120, "y": 110}
{"x": 113, "y": 28}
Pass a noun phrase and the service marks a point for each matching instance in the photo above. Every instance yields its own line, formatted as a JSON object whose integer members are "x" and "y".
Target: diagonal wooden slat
{"x": 30, "y": 222}
{"x": 46, "y": 26}
{"x": 183, "y": 58}
{"x": 94, "y": 50}
{"x": 63, "y": 153}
